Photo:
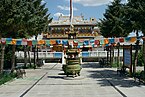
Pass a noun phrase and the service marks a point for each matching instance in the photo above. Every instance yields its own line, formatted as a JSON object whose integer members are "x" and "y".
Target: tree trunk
{"x": 118, "y": 56}
{"x": 35, "y": 62}
{"x": 13, "y": 58}
{"x": 2, "y": 58}
{"x": 37, "y": 57}
{"x": 113, "y": 54}
{"x": 136, "y": 54}
{"x": 144, "y": 54}
{"x": 34, "y": 57}
{"x": 110, "y": 56}
{"x": 29, "y": 57}
{"x": 25, "y": 56}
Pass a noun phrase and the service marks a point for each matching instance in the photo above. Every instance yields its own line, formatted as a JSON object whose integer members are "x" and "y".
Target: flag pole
{"x": 71, "y": 12}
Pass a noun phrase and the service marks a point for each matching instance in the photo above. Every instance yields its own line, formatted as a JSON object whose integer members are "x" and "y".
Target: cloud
{"x": 124, "y": 1}
{"x": 66, "y": 8}
{"x": 60, "y": 14}
{"x": 91, "y": 2}
{"x": 42, "y": 2}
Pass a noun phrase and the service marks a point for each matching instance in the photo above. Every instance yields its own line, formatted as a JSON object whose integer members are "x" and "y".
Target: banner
{"x": 79, "y": 43}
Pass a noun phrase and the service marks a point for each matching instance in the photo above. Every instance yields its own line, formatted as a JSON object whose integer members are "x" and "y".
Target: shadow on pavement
{"x": 55, "y": 77}
{"x": 91, "y": 65}
{"x": 108, "y": 74}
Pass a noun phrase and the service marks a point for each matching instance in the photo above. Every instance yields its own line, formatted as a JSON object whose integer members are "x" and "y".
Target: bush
{"x": 8, "y": 57}
{"x": 32, "y": 66}
{"x": 140, "y": 60}
{"x": 115, "y": 65}
{"x": 6, "y": 77}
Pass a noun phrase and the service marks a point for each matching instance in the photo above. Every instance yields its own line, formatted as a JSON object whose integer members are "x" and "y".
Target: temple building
{"x": 58, "y": 29}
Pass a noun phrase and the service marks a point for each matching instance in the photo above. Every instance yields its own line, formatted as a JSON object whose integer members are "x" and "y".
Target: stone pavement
{"x": 49, "y": 81}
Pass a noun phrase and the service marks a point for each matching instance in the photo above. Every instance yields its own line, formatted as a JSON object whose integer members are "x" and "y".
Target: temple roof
{"x": 77, "y": 20}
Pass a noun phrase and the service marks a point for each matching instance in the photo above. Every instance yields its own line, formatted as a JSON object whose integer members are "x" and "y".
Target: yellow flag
{"x": 13, "y": 42}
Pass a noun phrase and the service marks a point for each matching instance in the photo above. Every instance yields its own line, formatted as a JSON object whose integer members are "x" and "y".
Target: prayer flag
{"x": 41, "y": 42}
{"x": 116, "y": 40}
{"x": 18, "y": 42}
{"x": 102, "y": 41}
{"x": 111, "y": 40}
{"x": 75, "y": 42}
{"x": 24, "y": 42}
{"x": 133, "y": 39}
{"x": 29, "y": 42}
{"x": 121, "y": 39}
{"x": 47, "y": 42}
{"x": 3, "y": 41}
{"x": 8, "y": 40}
{"x": 52, "y": 42}
{"x": 65, "y": 42}
{"x": 13, "y": 42}
{"x": 127, "y": 39}
{"x": 97, "y": 42}
{"x": 106, "y": 41}
{"x": 34, "y": 42}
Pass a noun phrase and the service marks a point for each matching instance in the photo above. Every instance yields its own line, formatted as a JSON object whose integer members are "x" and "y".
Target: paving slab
{"x": 49, "y": 81}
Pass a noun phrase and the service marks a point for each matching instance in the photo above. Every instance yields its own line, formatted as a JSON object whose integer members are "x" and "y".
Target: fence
{"x": 84, "y": 54}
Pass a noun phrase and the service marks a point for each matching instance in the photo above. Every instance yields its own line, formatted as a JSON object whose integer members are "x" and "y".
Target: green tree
{"x": 135, "y": 15}
{"x": 22, "y": 18}
{"x": 112, "y": 25}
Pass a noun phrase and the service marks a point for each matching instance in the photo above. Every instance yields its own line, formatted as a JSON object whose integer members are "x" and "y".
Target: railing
{"x": 99, "y": 54}
{"x": 84, "y": 54}
{"x": 20, "y": 55}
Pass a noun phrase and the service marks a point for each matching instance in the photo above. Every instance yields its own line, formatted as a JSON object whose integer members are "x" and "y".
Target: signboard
{"x": 127, "y": 56}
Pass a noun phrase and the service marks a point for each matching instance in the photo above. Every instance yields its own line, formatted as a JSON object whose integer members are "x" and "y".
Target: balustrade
{"x": 20, "y": 55}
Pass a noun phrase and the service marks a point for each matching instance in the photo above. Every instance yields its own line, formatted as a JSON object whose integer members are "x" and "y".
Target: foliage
{"x": 8, "y": 57}
{"x": 32, "y": 66}
{"x": 112, "y": 25}
{"x": 115, "y": 65}
{"x": 135, "y": 14}
{"x": 140, "y": 75}
{"x": 140, "y": 60}
{"x": 121, "y": 19}
{"x": 22, "y": 18}
{"x": 6, "y": 77}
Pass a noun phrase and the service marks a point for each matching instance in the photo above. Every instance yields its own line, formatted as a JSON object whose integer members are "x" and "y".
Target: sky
{"x": 87, "y": 8}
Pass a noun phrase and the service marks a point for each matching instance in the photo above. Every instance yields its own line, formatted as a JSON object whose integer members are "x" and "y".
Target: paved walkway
{"x": 49, "y": 82}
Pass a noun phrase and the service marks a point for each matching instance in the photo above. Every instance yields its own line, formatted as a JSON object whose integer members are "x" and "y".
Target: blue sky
{"x": 88, "y": 8}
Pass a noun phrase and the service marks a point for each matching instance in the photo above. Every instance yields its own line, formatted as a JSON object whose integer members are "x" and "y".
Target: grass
{"x": 115, "y": 65}
{"x": 138, "y": 72}
{"x": 32, "y": 66}
{"x": 6, "y": 77}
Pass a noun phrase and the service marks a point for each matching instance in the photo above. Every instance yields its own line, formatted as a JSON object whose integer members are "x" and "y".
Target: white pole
{"x": 71, "y": 12}
{"x": 63, "y": 58}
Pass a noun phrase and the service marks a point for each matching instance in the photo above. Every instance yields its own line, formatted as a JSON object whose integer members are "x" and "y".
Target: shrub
{"x": 6, "y": 77}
